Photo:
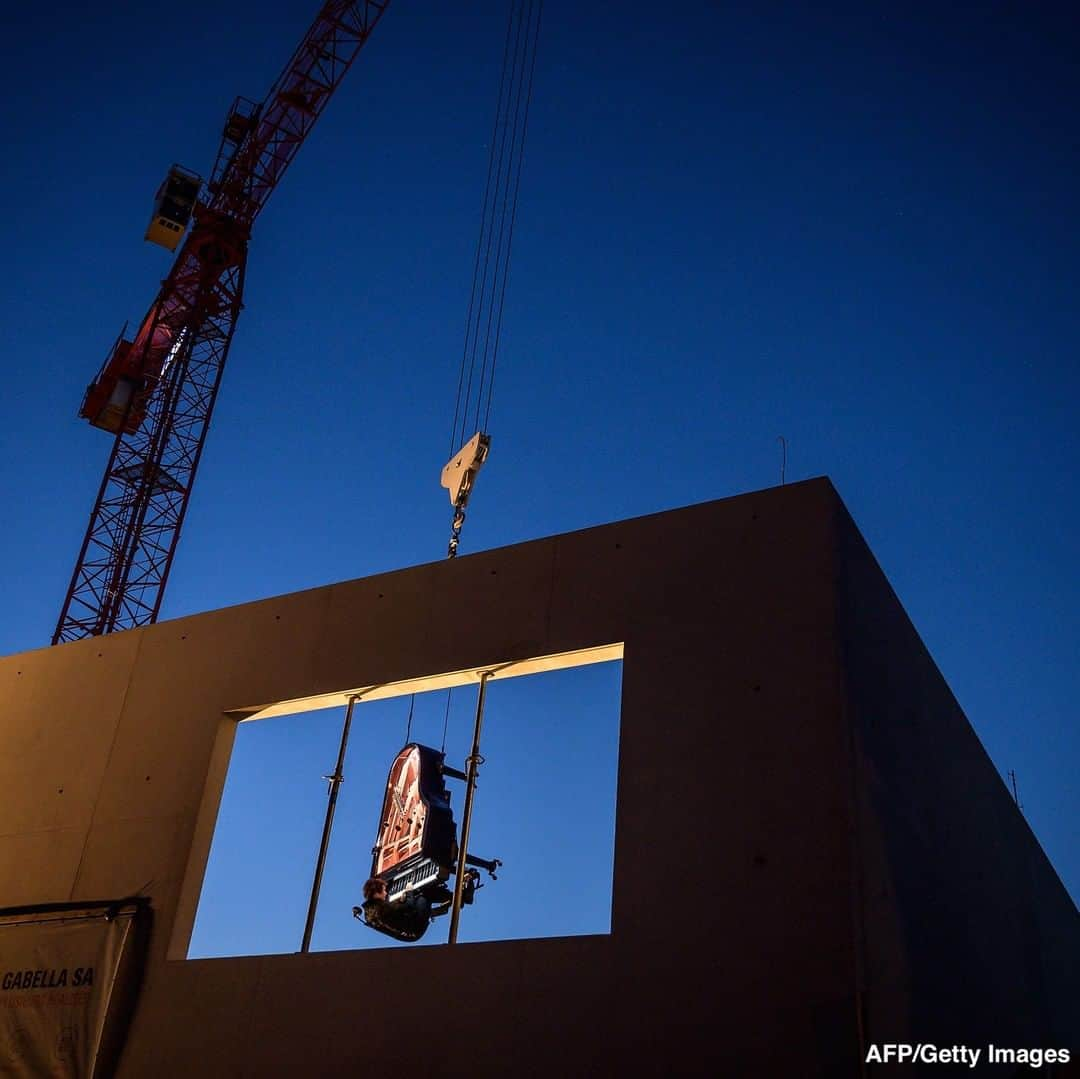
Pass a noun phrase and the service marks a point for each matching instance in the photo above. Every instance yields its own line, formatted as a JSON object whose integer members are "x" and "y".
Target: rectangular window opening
{"x": 544, "y": 806}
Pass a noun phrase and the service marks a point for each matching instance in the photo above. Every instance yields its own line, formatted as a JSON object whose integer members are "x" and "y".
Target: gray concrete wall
{"x": 970, "y": 936}
{"x": 744, "y": 693}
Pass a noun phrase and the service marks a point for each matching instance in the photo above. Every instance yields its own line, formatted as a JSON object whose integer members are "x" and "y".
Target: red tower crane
{"x": 156, "y": 392}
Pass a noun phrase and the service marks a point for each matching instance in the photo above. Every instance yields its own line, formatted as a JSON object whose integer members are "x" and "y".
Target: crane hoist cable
{"x": 491, "y": 268}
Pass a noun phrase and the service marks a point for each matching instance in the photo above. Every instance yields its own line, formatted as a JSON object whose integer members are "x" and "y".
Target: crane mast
{"x": 156, "y": 392}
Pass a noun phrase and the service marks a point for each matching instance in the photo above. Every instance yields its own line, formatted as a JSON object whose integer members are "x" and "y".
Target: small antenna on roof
{"x": 1016, "y": 796}
{"x": 783, "y": 457}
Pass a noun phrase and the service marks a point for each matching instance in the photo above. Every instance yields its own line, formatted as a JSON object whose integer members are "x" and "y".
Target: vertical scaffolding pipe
{"x": 472, "y": 767}
{"x": 331, "y": 804}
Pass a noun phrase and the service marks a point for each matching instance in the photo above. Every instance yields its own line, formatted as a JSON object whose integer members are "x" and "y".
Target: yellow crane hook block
{"x": 459, "y": 473}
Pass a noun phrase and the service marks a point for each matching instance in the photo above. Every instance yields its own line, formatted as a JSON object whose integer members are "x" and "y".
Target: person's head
{"x": 374, "y": 889}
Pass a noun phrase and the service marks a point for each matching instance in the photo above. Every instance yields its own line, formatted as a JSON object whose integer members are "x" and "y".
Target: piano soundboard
{"x": 416, "y": 844}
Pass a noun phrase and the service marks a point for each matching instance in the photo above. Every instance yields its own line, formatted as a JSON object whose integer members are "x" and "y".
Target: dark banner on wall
{"x": 69, "y": 978}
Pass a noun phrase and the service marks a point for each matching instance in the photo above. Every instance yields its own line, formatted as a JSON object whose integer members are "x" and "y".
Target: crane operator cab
{"x": 416, "y": 850}
{"x": 173, "y": 206}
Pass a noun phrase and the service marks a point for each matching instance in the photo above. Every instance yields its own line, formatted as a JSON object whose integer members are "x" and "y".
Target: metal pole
{"x": 335, "y": 783}
{"x": 473, "y": 766}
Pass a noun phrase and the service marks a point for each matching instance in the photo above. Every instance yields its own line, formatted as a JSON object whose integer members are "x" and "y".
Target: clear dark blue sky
{"x": 855, "y": 227}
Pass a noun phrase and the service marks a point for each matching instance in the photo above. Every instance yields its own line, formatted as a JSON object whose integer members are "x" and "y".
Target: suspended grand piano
{"x": 416, "y": 849}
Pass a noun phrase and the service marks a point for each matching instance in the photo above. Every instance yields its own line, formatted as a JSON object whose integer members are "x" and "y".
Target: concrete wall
{"x": 969, "y": 935}
{"x": 757, "y": 637}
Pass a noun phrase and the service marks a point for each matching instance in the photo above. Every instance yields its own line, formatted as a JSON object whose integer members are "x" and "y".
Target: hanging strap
{"x": 446, "y": 720}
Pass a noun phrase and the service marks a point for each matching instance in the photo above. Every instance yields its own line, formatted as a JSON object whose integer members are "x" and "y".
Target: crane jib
{"x": 292, "y": 106}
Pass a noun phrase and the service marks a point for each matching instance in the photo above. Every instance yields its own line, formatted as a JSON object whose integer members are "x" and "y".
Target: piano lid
{"x": 416, "y": 822}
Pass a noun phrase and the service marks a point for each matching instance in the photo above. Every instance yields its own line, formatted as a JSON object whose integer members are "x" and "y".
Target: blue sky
{"x": 853, "y": 227}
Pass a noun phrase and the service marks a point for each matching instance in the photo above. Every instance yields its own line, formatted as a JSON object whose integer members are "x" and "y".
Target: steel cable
{"x": 484, "y": 320}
